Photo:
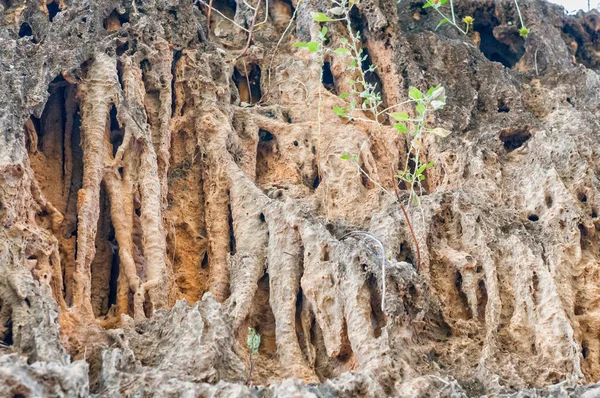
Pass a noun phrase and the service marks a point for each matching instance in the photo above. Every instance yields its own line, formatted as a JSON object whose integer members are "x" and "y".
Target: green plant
{"x": 253, "y": 345}
{"x": 468, "y": 20}
{"x": 317, "y": 47}
{"x": 523, "y": 31}
{"x": 365, "y": 99}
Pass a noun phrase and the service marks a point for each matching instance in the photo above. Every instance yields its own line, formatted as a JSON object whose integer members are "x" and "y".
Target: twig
{"x": 410, "y": 227}
{"x": 383, "y": 258}
{"x": 279, "y": 43}
{"x": 248, "y": 83}
{"x": 249, "y": 35}
{"x": 224, "y": 16}
{"x": 251, "y": 369}
{"x": 412, "y": 232}
{"x": 266, "y": 13}
{"x": 208, "y": 17}
{"x": 399, "y": 200}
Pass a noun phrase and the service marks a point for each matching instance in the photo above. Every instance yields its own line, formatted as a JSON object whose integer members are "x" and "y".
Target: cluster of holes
{"x": 582, "y": 32}
{"x": 25, "y": 30}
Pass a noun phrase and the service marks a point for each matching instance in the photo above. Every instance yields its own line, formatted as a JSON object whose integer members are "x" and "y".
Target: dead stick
{"x": 208, "y": 17}
{"x": 250, "y": 371}
{"x": 412, "y": 232}
{"x": 249, "y": 35}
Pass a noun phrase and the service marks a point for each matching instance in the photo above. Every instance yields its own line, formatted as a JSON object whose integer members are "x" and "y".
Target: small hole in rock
{"x": 499, "y": 43}
{"x": 261, "y": 217}
{"x": 514, "y": 138}
{"x": 122, "y": 47}
{"x": 582, "y": 197}
{"x": 247, "y": 81}
{"x": 25, "y": 30}
{"x": 502, "y": 107}
{"x": 264, "y": 135}
{"x": 53, "y": 9}
{"x": 533, "y": 217}
{"x": 115, "y": 20}
{"x": 316, "y": 182}
{"x": 548, "y": 200}
{"x": 295, "y": 143}
{"x": 328, "y": 81}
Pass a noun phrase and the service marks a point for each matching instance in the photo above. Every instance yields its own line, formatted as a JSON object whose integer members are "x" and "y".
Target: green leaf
{"x": 346, "y": 156}
{"x": 301, "y": 45}
{"x": 253, "y": 341}
{"x": 324, "y": 31}
{"x": 339, "y": 111}
{"x": 431, "y": 90}
{"x": 320, "y": 17}
{"x": 414, "y": 93}
{"x": 344, "y": 95}
{"x": 420, "y": 108}
{"x": 421, "y": 169}
{"x": 342, "y": 51}
{"x": 399, "y": 115}
{"x": 313, "y": 46}
{"x": 443, "y": 21}
{"x": 428, "y": 4}
{"x": 415, "y": 199}
{"x": 401, "y": 127}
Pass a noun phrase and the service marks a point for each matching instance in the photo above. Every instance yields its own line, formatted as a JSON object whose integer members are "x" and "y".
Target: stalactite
{"x": 97, "y": 94}
{"x": 149, "y": 185}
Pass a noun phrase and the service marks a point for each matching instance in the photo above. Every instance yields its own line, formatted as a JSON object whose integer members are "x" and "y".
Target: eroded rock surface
{"x": 162, "y": 189}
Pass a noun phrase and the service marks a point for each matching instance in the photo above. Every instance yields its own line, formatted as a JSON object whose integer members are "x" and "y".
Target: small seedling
{"x": 253, "y": 345}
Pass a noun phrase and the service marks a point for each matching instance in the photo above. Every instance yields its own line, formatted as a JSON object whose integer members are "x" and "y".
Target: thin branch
{"x": 224, "y": 16}
{"x": 249, "y": 34}
{"x": 383, "y": 258}
{"x": 208, "y": 16}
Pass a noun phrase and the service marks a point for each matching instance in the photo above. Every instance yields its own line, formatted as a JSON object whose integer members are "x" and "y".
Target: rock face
{"x": 164, "y": 187}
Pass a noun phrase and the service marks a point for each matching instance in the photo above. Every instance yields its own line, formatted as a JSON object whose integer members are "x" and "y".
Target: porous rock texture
{"x": 162, "y": 189}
